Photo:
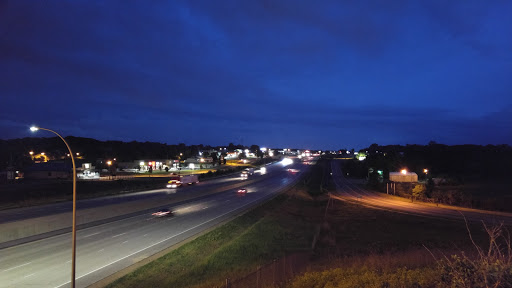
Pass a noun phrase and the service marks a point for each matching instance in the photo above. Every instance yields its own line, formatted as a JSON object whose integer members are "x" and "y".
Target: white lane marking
{"x": 16, "y": 267}
{"x": 28, "y": 275}
{"x": 154, "y": 244}
{"x": 125, "y": 242}
{"x": 205, "y": 208}
{"x": 118, "y": 235}
{"x": 68, "y": 261}
{"x": 91, "y": 234}
{"x": 145, "y": 235}
{"x": 101, "y": 250}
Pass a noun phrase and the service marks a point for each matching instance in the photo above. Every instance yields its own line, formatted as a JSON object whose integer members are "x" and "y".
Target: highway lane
{"x": 349, "y": 191}
{"x": 11, "y": 215}
{"x": 105, "y": 249}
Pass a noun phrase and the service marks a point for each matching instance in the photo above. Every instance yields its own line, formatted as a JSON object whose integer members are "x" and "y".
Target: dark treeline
{"x": 15, "y": 152}
{"x": 461, "y": 162}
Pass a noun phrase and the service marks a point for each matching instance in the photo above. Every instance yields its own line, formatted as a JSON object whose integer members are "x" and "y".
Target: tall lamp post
{"x": 73, "y": 243}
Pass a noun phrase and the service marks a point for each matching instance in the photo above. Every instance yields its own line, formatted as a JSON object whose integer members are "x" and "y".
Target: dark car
{"x": 162, "y": 213}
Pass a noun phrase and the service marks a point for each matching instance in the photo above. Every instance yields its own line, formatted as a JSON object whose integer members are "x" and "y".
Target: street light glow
{"x": 34, "y": 128}
{"x": 425, "y": 171}
{"x": 404, "y": 171}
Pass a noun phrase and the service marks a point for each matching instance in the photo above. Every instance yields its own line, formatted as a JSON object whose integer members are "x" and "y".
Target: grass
{"x": 367, "y": 277}
{"x": 359, "y": 230}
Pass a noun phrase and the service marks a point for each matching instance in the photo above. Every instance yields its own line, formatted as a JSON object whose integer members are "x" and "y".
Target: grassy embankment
{"x": 356, "y": 247}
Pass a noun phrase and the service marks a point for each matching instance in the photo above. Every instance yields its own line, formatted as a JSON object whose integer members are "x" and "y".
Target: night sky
{"x": 322, "y": 75}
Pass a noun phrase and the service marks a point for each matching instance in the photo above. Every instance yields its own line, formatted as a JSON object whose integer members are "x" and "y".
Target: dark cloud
{"x": 268, "y": 72}
{"x": 469, "y": 23}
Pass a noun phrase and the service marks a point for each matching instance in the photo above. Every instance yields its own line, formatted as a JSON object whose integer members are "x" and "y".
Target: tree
{"x": 254, "y": 148}
{"x": 418, "y": 191}
{"x": 214, "y": 156}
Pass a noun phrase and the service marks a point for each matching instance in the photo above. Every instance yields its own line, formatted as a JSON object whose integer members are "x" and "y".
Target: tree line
{"x": 15, "y": 152}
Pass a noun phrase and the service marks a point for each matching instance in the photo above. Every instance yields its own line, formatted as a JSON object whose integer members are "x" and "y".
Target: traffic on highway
{"x": 111, "y": 246}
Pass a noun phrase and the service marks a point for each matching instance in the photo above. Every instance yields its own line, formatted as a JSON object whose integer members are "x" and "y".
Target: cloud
{"x": 262, "y": 71}
{"x": 481, "y": 26}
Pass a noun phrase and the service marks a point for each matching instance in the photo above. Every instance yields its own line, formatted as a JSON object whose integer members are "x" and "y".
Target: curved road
{"x": 346, "y": 190}
{"x": 105, "y": 249}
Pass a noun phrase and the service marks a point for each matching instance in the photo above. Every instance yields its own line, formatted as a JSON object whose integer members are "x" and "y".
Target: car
{"x": 241, "y": 191}
{"x": 162, "y": 213}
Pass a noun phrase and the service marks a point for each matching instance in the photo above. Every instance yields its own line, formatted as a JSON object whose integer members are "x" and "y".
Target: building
{"x": 59, "y": 169}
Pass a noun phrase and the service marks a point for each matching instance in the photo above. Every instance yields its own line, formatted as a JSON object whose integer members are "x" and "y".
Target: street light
{"x": 73, "y": 241}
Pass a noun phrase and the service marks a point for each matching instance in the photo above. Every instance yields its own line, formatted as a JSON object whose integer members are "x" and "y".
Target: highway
{"x": 347, "y": 190}
{"x": 110, "y": 247}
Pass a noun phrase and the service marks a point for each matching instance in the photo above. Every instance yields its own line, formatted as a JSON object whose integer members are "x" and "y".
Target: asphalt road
{"x": 12, "y": 215}
{"x": 105, "y": 249}
{"x": 347, "y": 190}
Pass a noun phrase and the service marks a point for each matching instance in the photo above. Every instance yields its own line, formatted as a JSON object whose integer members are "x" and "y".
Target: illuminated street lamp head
{"x": 34, "y": 128}
{"x": 404, "y": 171}
{"x": 109, "y": 163}
{"x": 425, "y": 171}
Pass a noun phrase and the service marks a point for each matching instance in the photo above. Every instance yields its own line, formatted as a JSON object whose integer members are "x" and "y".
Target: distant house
{"x": 60, "y": 169}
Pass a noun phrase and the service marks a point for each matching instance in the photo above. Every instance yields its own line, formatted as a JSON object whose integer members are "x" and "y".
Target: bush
{"x": 491, "y": 268}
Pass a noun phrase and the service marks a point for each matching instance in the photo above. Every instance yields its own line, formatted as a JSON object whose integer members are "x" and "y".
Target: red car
{"x": 162, "y": 213}
{"x": 242, "y": 191}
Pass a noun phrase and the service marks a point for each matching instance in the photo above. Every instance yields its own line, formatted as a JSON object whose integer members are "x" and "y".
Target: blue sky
{"x": 304, "y": 74}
